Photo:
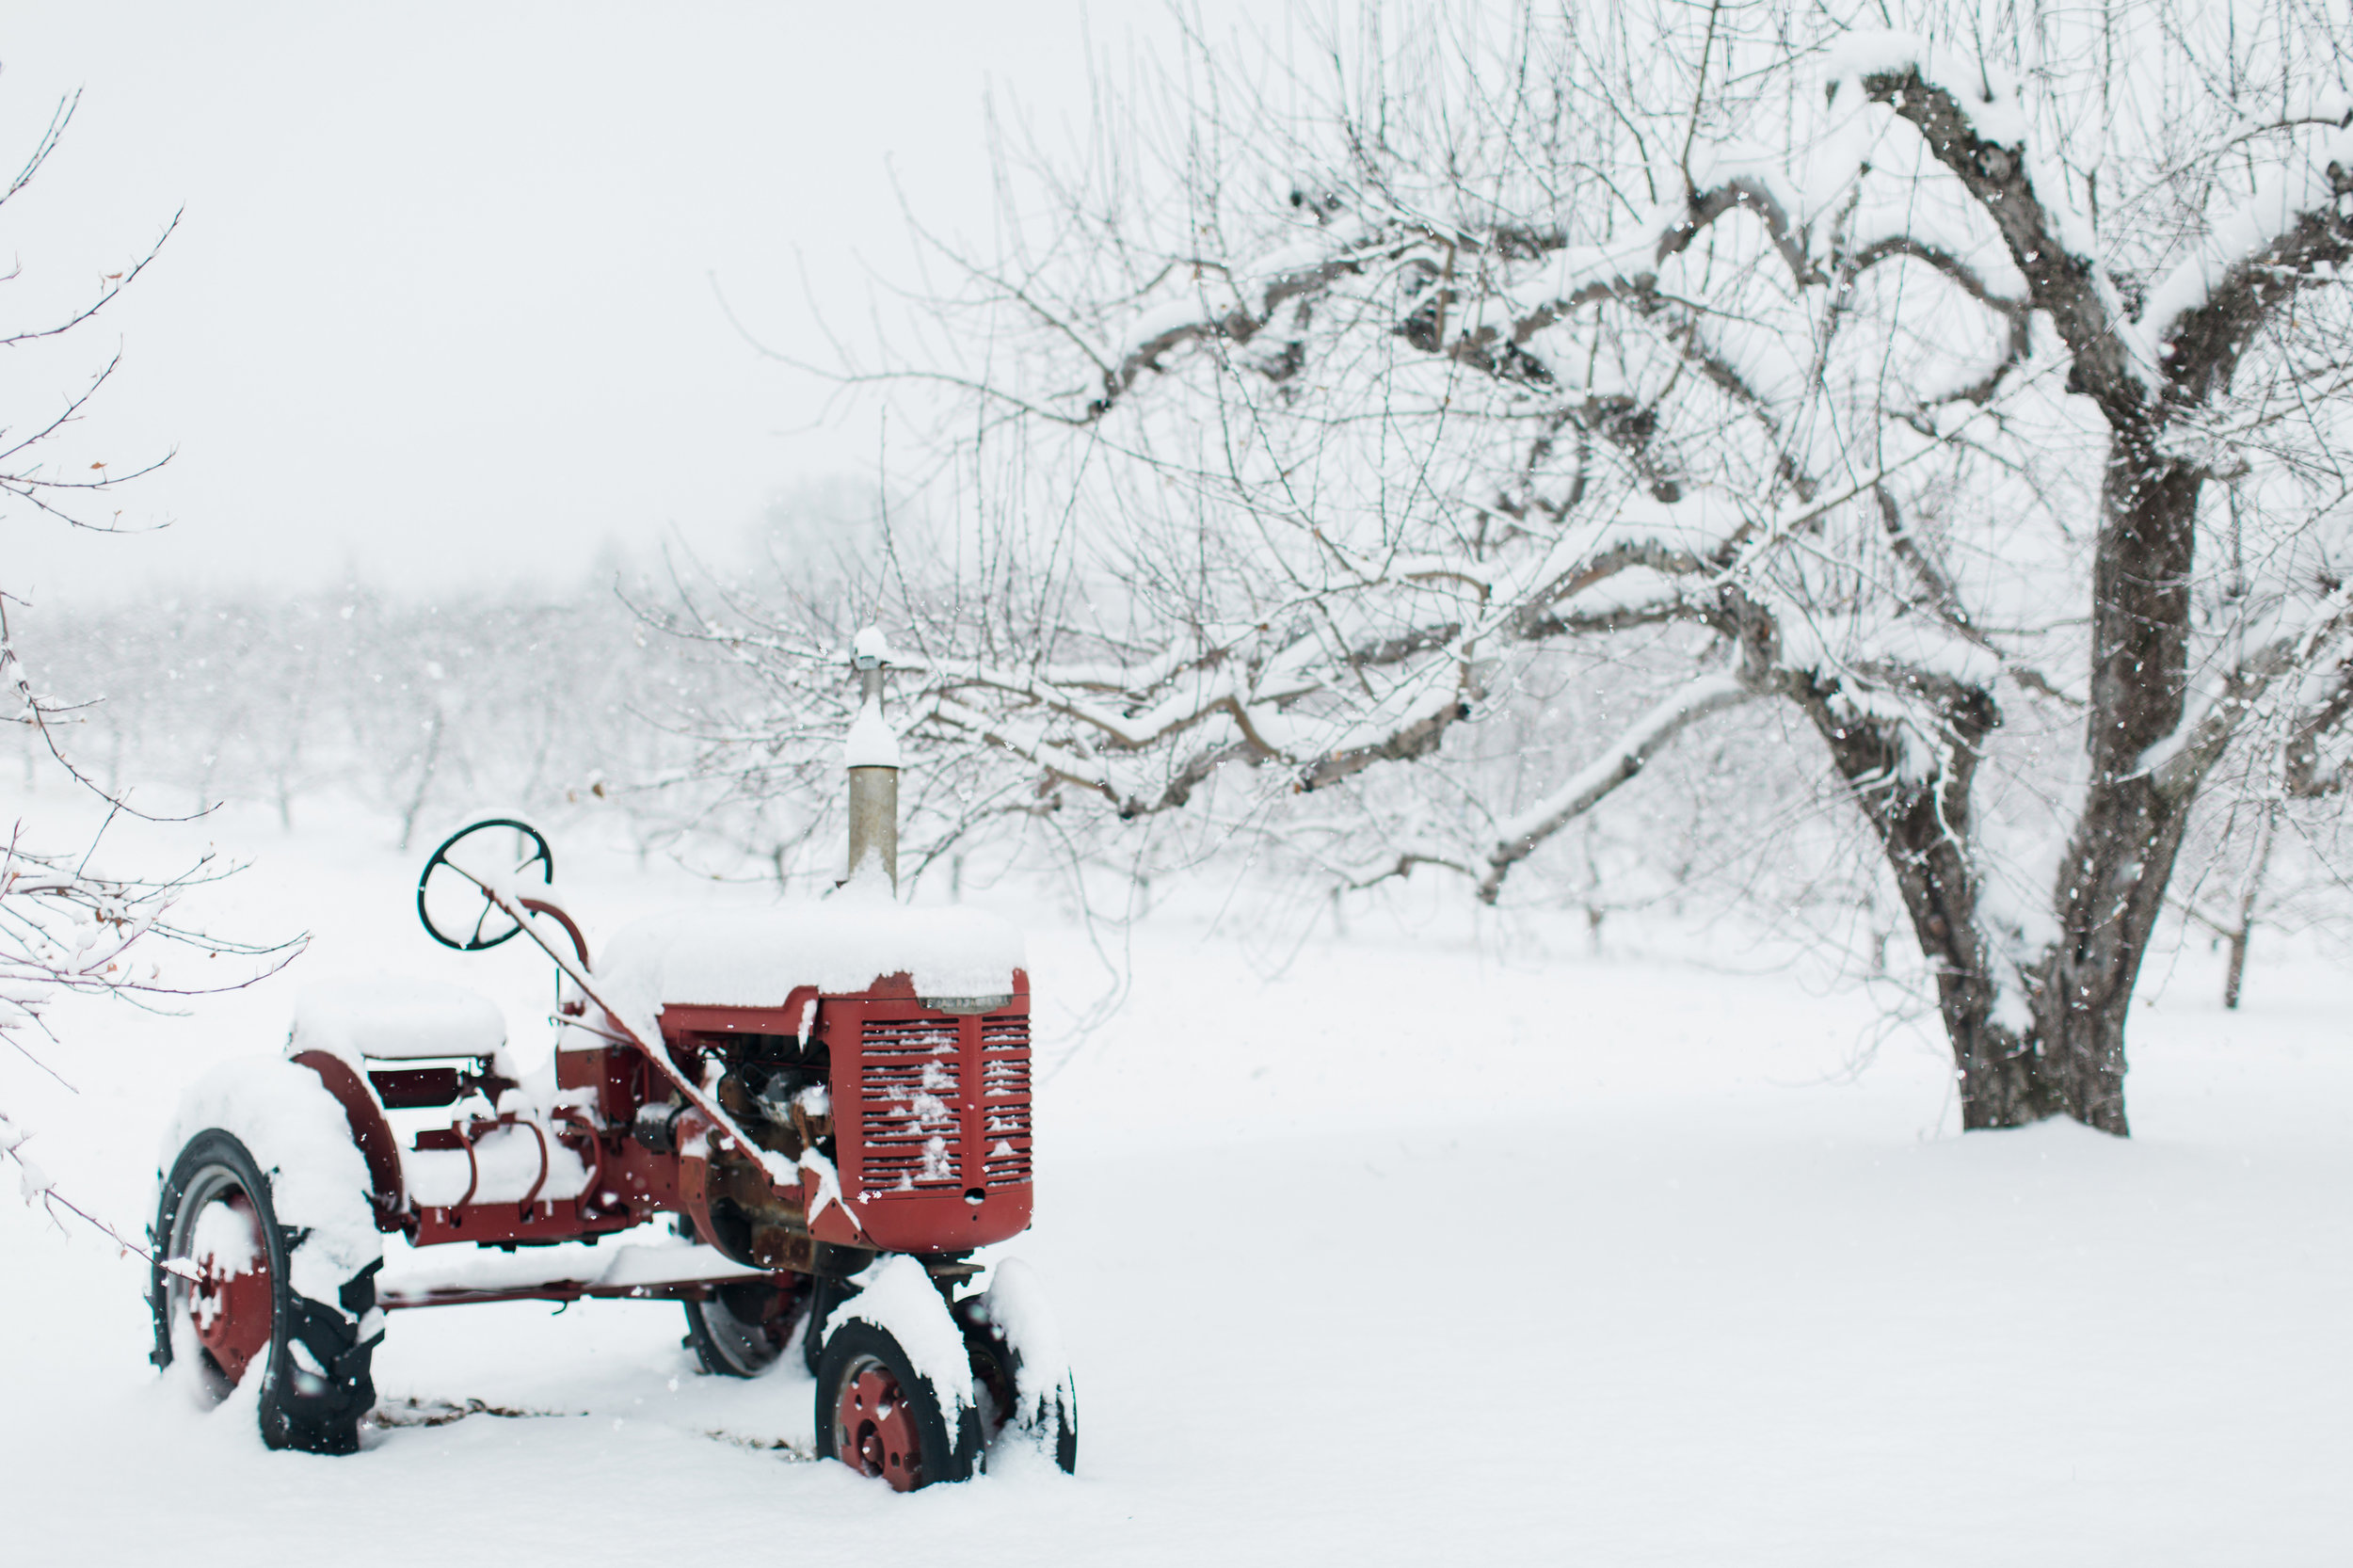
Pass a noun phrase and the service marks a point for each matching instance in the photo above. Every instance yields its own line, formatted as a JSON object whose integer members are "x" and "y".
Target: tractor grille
{"x": 910, "y": 1106}
{"x": 1005, "y": 1099}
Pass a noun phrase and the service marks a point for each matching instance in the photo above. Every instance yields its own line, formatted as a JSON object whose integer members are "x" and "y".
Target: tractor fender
{"x": 370, "y": 1131}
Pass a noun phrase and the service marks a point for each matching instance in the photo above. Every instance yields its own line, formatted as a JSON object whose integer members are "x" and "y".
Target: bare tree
{"x": 1315, "y": 415}
{"x": 66, "y": 928}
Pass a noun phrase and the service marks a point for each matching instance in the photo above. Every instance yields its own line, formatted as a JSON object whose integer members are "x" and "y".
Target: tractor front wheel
{"x": 878, "y": 1416}
{"x": 224, "y": 1299}
{"x": 1025, "y": 1388}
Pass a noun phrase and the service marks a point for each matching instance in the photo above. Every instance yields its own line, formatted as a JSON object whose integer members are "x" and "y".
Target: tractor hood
{"x": 840, "y": 945}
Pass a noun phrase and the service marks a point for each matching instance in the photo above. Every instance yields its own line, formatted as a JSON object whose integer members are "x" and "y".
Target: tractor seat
{"x": 395, "y": 1018}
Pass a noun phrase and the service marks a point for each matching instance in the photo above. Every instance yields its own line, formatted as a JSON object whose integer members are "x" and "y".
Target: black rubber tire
{"x": 997, "y": 1377}
{"x": 825, "y": 1294}
{"x": 944, "y": 1455}
{"x": 299, "y": 1409}
{"x": 745, "y": 1325}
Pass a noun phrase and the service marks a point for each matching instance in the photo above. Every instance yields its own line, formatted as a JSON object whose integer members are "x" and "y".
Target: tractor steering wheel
{"x": 468, "y": 875}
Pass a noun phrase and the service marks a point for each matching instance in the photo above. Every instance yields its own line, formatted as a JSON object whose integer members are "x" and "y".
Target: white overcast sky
{"x": 441, "y": 306}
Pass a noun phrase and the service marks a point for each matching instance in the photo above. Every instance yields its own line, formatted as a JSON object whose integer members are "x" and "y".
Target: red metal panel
{"x": 631, "y": 1178}
{"x": 411, "y": 1088}
{"x": 614, "y": 1072}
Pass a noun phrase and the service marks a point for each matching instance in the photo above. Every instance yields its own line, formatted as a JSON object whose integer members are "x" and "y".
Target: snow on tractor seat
{"x": 841, "y": 944}
{"x": 391, "y": 1018}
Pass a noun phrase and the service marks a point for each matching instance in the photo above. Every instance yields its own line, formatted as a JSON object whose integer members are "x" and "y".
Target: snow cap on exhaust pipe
{"x": 870, "y": 752}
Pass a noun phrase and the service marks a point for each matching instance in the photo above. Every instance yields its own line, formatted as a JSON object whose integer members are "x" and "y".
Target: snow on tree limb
{"x": 2295, "y": 231}
{"x": 1983, "y": 140}
{"x": 38, "y": 1189}
{"x": 2180, "y": 762}
{"x": 1517, "y": 837}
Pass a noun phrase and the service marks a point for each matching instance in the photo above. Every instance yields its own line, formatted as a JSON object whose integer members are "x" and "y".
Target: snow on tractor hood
{"x": 392, "y": 1017}
{"x": 756, "y": 957}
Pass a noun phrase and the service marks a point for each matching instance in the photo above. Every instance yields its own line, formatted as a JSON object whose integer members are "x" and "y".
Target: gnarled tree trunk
{"x": 2111, "y": 886}
{"x": 1922, "y": 822}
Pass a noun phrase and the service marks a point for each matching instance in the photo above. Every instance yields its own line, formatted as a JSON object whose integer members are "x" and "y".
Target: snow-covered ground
{"x": 1396, "y": 1252}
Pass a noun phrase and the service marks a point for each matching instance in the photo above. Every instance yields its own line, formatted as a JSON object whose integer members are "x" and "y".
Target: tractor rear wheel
{"x": 825, "y": 1294}
{"x": 742, "y": 1330}
{"x": 224, "y": 1298}
{"x": 878, "y": 1416}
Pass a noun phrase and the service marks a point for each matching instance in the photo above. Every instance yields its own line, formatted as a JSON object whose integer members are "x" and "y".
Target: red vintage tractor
{"x": 832, "y": 1101}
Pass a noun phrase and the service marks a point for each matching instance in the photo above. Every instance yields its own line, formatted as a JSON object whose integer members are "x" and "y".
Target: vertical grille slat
{"x": 1004, "y": 1100}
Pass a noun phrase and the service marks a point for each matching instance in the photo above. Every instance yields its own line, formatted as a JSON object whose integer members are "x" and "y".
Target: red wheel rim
{"x": 873, "y": 1429}
{"x": 228, "y": 1300}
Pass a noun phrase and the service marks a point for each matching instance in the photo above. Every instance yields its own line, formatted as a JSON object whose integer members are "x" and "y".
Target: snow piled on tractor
{"x": 756, "y": 957}
{"x": 396, "y": 1017}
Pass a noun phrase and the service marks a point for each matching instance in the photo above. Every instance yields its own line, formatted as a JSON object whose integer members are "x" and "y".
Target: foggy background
{"x": 444, "y": 307}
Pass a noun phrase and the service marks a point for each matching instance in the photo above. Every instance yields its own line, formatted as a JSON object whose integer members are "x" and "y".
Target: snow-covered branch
{"x": 2296, "y": 231}
{"x": 2179, "y": 764}
{"x": 1517, "y": 837}
{"x": 36, "y": 1186}
{"x": 1983, "y": 138}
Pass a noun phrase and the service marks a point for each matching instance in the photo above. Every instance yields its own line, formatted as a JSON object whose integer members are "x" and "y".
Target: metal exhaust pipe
{"x": 871, "y": 754}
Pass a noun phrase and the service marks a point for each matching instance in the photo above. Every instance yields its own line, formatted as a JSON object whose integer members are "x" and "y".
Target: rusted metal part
{"x": 474, "y": 1165}
{"x": 874, "y": 819}
{"x": 532, "y": 1196}
{"x": 555, "y": 913}
{"x": 873, "y": 788}
{"x": 498, "y": 1223}
{"x": 616, "y": 1074}
{"x": 392, "y": 1300}
{"x": 694, "y": 1177}
{"x": 630, "y": 1179}
{"x": 409, "y": 1088}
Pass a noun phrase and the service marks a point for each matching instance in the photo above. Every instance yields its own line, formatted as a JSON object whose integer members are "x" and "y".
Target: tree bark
{"x": 2249, "y": 898}
{"x": 1922, "y": 820}
{"x": 2111, "y": 886}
